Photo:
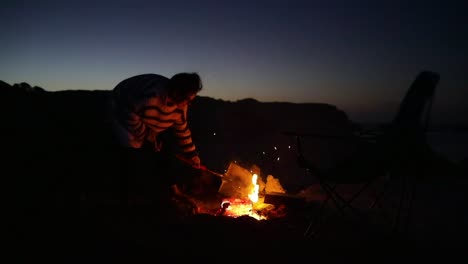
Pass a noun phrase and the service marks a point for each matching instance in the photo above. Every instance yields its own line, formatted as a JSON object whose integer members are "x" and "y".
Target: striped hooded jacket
{"x": 143, "y": 112}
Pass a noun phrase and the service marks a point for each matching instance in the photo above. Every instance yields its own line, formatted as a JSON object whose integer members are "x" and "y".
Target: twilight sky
{"x": 358, "y": 55}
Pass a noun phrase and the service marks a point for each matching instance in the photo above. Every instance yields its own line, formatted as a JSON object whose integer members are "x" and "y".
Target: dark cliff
{"x": 63, "y": 134}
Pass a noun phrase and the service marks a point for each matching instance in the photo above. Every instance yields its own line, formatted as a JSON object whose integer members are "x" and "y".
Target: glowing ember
{"x": 235, "y": 207}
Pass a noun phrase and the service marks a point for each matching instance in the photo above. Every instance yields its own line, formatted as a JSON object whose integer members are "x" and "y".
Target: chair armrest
{"x": 318, "y": 135}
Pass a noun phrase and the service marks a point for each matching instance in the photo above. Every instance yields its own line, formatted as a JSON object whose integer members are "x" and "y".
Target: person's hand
{"x": 184, "y": 203}
{"x": 195, "y": 162}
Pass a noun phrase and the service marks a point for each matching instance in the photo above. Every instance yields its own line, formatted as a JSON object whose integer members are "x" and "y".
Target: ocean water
{"x": 450, "y": 141}
{"x": 451, "y": 144}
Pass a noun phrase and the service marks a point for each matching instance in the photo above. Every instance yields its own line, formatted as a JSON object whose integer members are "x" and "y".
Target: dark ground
{"x": 61, "y": 192}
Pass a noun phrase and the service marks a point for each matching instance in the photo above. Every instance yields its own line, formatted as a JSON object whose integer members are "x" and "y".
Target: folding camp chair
{"x": 374, "y": 163}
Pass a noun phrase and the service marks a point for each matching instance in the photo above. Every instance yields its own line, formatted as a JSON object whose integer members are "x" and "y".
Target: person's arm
{"x": 133, "y": 130}
{"x": 184, "y": 139}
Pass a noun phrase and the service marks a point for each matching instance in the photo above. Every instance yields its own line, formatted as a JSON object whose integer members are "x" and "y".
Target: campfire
{"x": 242, "y": 189}
{"x": 235, "y": 207}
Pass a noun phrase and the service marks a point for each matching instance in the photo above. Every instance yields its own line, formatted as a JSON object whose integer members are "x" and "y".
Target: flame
{"x": 253, "y": 195}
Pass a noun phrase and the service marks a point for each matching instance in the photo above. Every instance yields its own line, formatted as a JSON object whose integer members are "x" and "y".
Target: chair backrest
{"x": 395, "y": 147}
{"x": 405, "y": 140}
{"x": 414, "y": 113}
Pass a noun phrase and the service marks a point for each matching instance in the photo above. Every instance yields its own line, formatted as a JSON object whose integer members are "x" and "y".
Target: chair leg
{"x": 335, "y": 197}
{"x": 379, "y": 200}
{"x": 312, "y": 227}
{"x": 357, "y": 194}
{"x": 403, "y": 197}
{"x": 341, "y": 203}
{"x": 410, "y": 194}
{"x": 382, "y": 194}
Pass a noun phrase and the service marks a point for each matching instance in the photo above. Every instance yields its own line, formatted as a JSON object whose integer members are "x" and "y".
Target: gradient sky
{"x": 358, "y": 55}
